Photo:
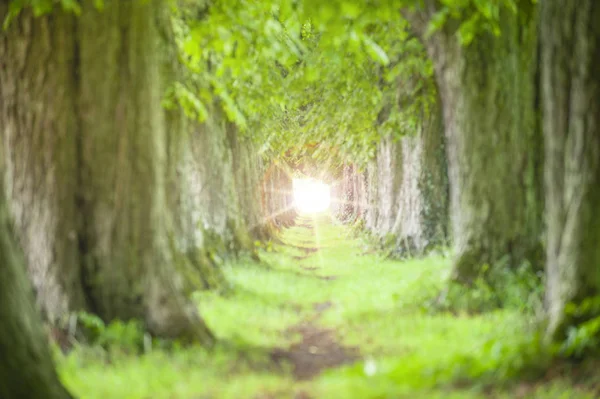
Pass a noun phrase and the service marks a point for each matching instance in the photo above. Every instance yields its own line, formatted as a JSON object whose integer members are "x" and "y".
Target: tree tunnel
{"x": 147, "y": 146}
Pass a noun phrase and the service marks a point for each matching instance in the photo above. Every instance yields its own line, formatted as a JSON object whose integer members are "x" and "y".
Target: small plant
{"x": 117, "y": 336}
{"x": 495, "y": 287}
{"x": 357, "y": 229}
{"x": 502, "y": 360}
{"x": 583, "y": 335}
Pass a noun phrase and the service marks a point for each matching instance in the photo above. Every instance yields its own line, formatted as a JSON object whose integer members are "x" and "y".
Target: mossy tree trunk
{"x": 203, "y": 231}
{"x": 26, "y": 369}
{"x": 487, "y": 89}
{"x": 421, "y": 209}
{"x": 38, "y": 124}
{"x": 433, "y": 181}
{"x": 86, "y": 149}
{"x": 389, "y": 179}
{"x": 220, "y": 214}
{"x": 570, "y": 62}
{"x": 248, "y": 169}
{"x": 411, "y": 199}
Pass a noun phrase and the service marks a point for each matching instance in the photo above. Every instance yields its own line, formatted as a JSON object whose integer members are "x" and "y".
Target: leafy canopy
{"x": 292, "y": 73}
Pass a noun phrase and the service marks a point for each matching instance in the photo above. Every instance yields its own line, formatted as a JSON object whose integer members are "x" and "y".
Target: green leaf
{"x": 71, "y": 6}
{"x": 438, "y": 20}
{"x": 375, "y": 51}
{"x": 468, "y": 30}
{"x": 42, "y": 7}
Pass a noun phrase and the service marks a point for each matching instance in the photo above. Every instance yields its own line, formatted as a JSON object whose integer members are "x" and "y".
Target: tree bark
{"x": 372, "y": 196}
{"x": 433, "y": 181}
{"x": 277, "y": 195}
{"x": 39, "y": 153}
{"x": 389, "y": 179}
{"x": 348, "y": 194}
{"x": 248, "y": 169}
{"x": 570, "y": 50}
{"x": 422, "y": 200}
{"x": 221, "y": 217}
{"x": 88, "y": 176}
{"x": 411, "y": 199}
{"x": 487, "y": 89}
{"x": 26, "y": 369}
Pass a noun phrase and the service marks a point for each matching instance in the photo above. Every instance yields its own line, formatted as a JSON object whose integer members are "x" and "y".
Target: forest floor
{"x": 325, "y": 317}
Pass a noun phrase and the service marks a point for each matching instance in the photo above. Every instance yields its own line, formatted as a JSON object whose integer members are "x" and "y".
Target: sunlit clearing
{"x": 311, "y": 196}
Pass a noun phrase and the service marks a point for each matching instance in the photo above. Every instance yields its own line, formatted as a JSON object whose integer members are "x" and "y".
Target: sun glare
{"x": 311, "y": 196}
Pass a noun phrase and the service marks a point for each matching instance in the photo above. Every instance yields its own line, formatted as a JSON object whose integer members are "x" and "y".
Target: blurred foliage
{"x": 377, "y": 305}
{"x": 41, "y": 7}
{"x": 291, "y": 73}
{"x": 496, "y": 287}
{"x": 583, "y": 328}
{"x": 475, "y": 16}
{"x": 295, "y": 73}
{"x": 340, "y": 73}
{"x": 117, "y": 336}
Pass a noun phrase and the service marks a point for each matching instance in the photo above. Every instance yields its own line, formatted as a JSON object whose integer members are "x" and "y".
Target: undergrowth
{"x": 499, "y": 287}
{"x": 412, "y": 343}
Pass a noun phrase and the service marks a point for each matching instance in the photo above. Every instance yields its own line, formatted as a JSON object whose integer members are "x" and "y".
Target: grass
{"x": 327, "y": 278}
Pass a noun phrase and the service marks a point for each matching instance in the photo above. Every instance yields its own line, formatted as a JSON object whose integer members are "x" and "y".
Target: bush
{"x": 499, "y": 287}
{"x": 583, "y": 331}
{"x": 117, "y": 336}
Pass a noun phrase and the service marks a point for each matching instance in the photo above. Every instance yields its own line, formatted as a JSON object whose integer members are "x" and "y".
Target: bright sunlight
{"x": 311, "y": 196}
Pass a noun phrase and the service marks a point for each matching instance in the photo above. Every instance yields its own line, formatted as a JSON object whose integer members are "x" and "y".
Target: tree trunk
{"x": 421, "y": 207}
{"x": 487, "y": 89}
{"x": 570, "y": 48}
{"x": 38, "y": 97}
{"x": 203, "y": 231}
{"x": 372, "y": 199}
{"x": 248, "y": 169}
{"x": 26, "y": 369}
{"x": 219, "y": 201}
{"x": 361, "y": 189}
{"x": 86, "y": 153}
{"x": 411, "y": 199}
{"x": 347, "y": 194}
{"x": 277, "y": 194}
{"x": 433, "y": 181}
{"x": 389, "y": 179}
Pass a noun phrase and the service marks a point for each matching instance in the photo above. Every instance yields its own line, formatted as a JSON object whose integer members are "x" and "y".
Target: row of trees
{"x": 519, "y": 96}
{"x": 113, "y": 201}
{"x": 134, "y": 136}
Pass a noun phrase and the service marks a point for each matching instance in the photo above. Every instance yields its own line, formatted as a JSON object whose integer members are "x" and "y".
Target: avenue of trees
{"x": 145, "y": 141}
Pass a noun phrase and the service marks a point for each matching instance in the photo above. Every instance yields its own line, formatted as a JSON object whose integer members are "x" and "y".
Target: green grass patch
{"x": 328, "y": 277}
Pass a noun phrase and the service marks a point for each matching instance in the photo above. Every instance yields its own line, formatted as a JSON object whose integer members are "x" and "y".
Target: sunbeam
{"x": 311, "y": 196}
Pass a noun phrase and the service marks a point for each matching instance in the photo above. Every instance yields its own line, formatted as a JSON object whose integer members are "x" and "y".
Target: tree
{"x": 219, "y": 214}
{"x": 26, "y": 370}
{"x": 349, "y": 194}
{"x": 411, "y": 194}
{"x": 411, "y": 199}
{"x": 485, "y": 64}
{"x": 277, "y": 201}
{"x": 248, "y": 169}
{"x": 570, "y": 62}
{"x": 92, "y": 163}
